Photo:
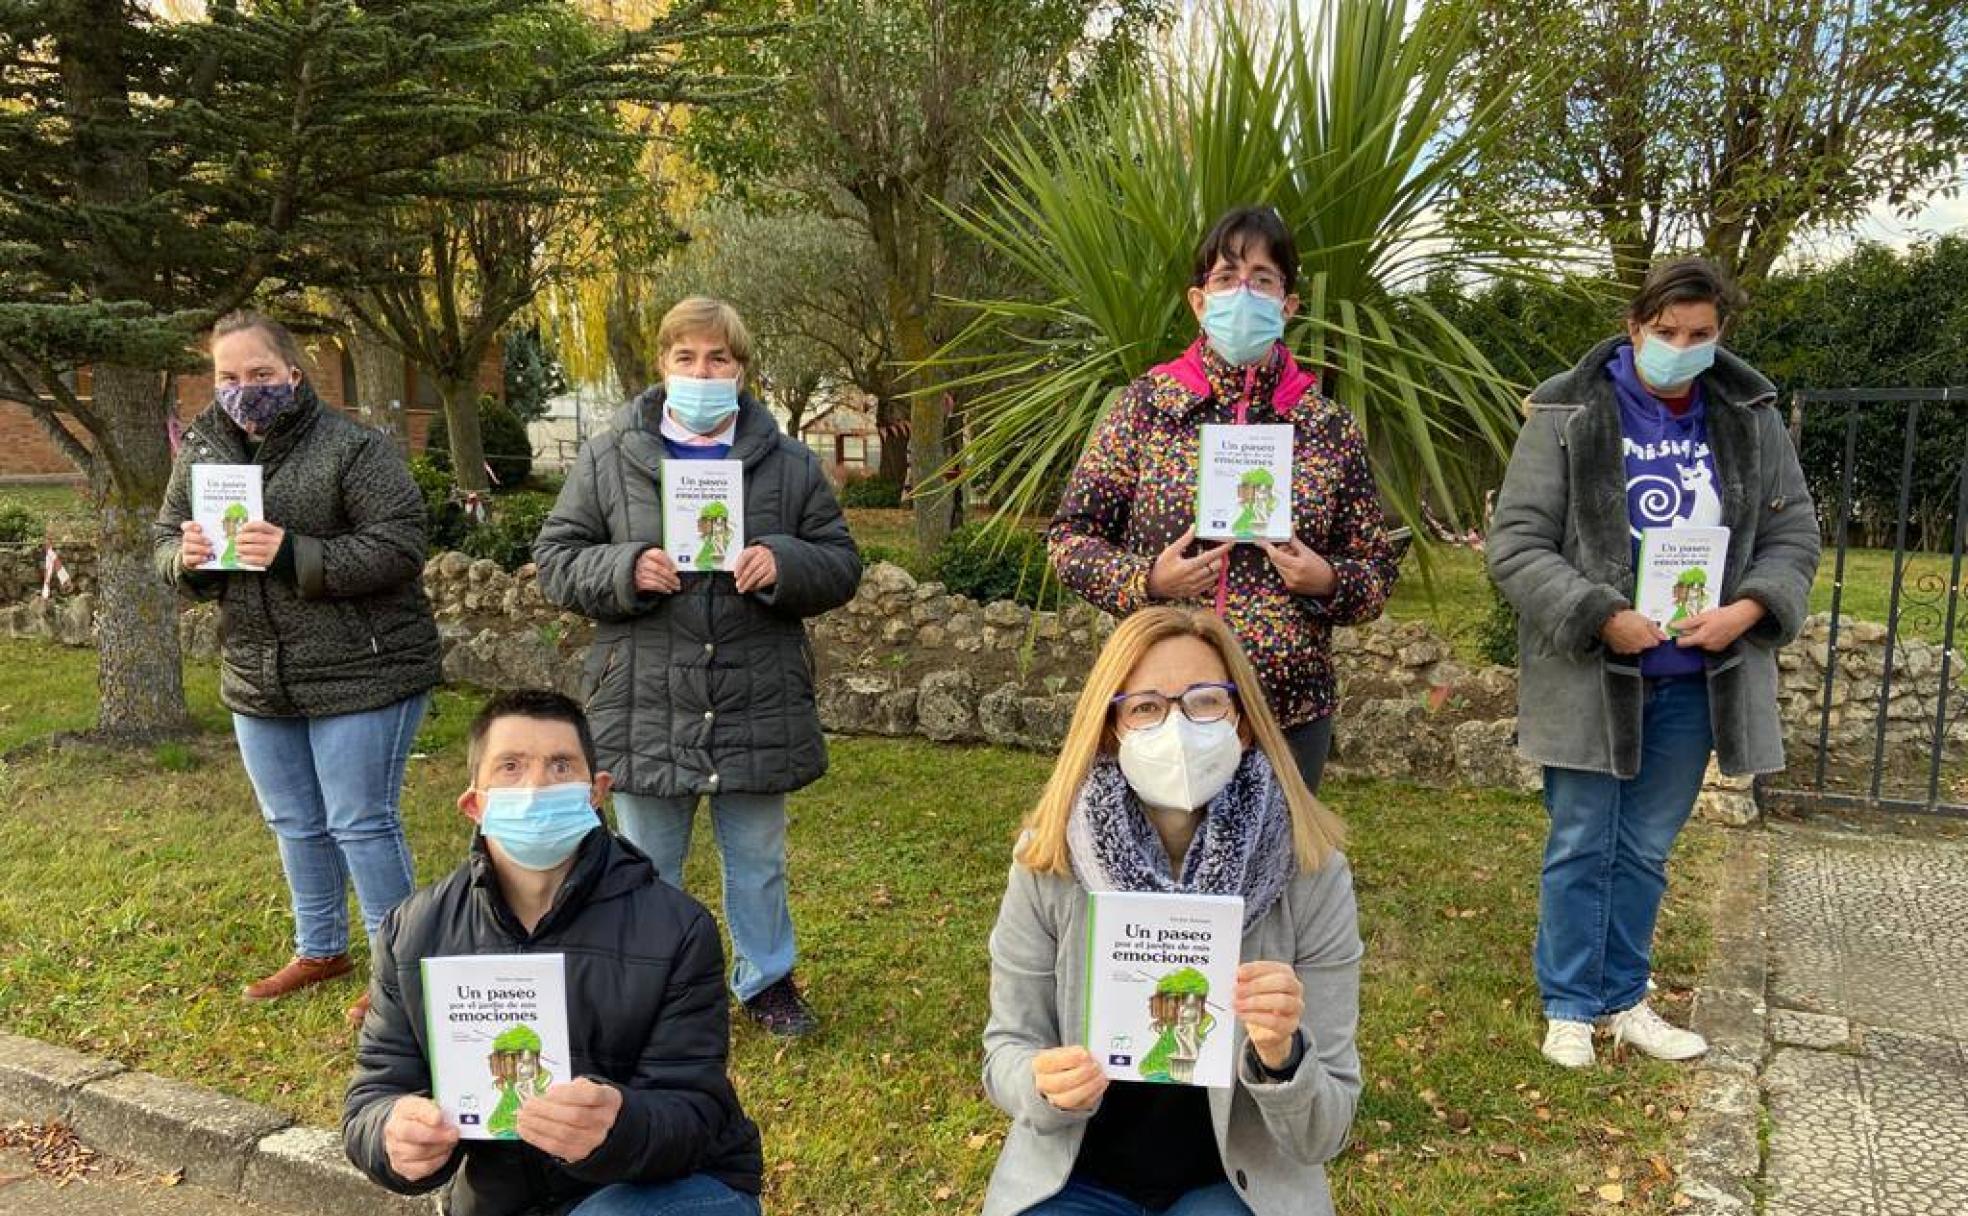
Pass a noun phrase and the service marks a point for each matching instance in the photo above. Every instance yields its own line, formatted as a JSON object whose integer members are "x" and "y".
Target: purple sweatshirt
{"x": 1670, "y": 480}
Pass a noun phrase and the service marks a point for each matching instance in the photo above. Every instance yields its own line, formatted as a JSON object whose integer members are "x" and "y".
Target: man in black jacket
{"x": 649, "y": 1124}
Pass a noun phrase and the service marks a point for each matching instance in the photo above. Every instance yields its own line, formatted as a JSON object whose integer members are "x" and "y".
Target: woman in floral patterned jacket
{"x": 1124, "y": 535}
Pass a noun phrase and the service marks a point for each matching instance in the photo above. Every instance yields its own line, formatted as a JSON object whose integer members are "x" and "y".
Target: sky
{"x": 1881, "y": 225}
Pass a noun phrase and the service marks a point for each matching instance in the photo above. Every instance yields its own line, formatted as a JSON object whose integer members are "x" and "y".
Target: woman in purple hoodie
{"x": 1656, "y": 430}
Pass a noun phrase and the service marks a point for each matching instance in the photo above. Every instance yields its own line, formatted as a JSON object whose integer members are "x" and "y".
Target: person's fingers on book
{"x": 583, "y": 1091}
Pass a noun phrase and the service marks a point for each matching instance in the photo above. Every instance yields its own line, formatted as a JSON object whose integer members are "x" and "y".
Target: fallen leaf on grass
{"x": 1612, "y": 1192}
{"x": 944, "y": 1193}
{"x": 171, "y": 1179}
{"x": 1507, "y": 1152}
{"x": 977, "y": 1140}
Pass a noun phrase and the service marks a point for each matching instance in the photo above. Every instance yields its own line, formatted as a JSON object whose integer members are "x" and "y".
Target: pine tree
{"x": 155, "y": 174}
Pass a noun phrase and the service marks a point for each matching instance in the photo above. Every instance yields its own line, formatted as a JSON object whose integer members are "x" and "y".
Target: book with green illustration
{"x": 704, "y": 514}
{"x": 1243, "y": 482}
{"x": 1679, "y": 573}
{"x": 497, "y": 1036}
{"x": 1161, "y": 970}
{"x": 224, "y": 499}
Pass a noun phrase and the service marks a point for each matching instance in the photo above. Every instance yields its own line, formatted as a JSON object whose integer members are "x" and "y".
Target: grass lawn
{"x": 139, "y": 891}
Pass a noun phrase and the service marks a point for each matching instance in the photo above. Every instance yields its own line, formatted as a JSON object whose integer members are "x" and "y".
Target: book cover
{"x": 497, "y": 1029}
{"x": 704, "y": 513}
{"x": 224, "y": 499}
{"x": 1161, "y": 971}
{"x": 1680, "y": 573}
{"x": 1243, "y": 483}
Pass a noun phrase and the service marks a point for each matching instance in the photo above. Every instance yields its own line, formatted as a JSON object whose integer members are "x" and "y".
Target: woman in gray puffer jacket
{"x": 701, "y": 684}
{"x": 329, "y": 652}
{"x": 1655, "y": 432}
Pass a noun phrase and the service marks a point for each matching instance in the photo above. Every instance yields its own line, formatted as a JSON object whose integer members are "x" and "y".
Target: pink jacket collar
{"x": 1294, "y": 382}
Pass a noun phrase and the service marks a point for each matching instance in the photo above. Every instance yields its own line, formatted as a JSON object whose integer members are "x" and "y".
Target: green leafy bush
{"x": 444, "y": 516}
{"x": 899, "y": 555}
{"x": 876, "y": 493}
{"x": 1496, "y": 635}
{"x": 507, "y": 449}
{"x": 18, "y": 525}
{"x": 988, "y": 561}
{"x": 507, "y": 538}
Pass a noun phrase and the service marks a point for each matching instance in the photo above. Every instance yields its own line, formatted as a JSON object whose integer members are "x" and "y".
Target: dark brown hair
{"x": 536, "y": 703}
{"x": 1684, "y": 281}
{"x": 277, "y": 335}
{"x": 1230, "y": 239}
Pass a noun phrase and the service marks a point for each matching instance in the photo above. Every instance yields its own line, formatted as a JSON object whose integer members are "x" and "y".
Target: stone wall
{"x": 20, "y": 569}
{"x": 908, "y": 658}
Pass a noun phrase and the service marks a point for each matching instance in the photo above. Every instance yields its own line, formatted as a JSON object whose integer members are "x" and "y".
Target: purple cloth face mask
{"x": 255, "y": 407}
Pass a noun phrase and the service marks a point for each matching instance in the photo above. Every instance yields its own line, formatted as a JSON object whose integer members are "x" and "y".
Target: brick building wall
{"x": 27, "y": 453}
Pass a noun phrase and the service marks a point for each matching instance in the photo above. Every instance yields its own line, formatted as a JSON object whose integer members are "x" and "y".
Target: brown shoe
{"x": 299, "y": 974}
{"x": 358, "y": 1012}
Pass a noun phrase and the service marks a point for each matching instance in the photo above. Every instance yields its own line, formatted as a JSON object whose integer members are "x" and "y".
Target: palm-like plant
{"x": 1345, "y": 123}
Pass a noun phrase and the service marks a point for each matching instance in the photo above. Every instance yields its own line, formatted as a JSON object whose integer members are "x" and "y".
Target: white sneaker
{"x": 1652, "y": 1035}
{"x": 1568, "y": 1044}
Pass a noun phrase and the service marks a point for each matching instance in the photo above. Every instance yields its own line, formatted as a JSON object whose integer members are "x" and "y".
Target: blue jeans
{"x": 1085, "y": 1199}
{"x": 751, "y": 838}
{"x": 328, "y": 787}
{"x": 697, "y": 1195}
{"x": 1605, "y": 861}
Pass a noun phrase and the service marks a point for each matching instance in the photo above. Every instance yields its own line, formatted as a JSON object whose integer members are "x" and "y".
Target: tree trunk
{"x": 467, "y": 442}
{"x": 931, "y": 498}
{"x": 628, "y": 346}
{"x": 379, "y": 382}
{"x": 138, "y": 672}
{"x": 894, "y": 449}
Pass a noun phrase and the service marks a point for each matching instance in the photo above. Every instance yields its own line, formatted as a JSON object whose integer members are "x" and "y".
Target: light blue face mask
{"x": 1664, "y": 365}
{"x": 1243, "y": 325}
{"x": 538, "y": 827}
{"x": 700, "y": 405}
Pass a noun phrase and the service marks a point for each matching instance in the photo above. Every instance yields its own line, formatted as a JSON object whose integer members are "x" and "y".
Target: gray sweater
{"x": 1274, "y": 1137}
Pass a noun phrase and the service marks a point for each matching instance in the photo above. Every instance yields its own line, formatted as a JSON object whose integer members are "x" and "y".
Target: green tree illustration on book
{"x": 714, "y": 527}
{"x": 1690, "y": 595}
{"x": 232, "y": 521}
{"x": 1257, "y": 492}
{"x": 1181, "y": 1021}
{"x": 516, "y": 1071}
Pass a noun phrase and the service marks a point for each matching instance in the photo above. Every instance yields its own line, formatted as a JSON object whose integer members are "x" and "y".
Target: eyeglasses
{"x": 1263, "y": 282}
{"x": 1199, "y": 702}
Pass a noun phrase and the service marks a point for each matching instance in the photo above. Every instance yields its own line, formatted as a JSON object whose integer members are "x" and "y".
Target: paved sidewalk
{"x": 1867, "y": 1082}
{"x": 107, "y": 1192}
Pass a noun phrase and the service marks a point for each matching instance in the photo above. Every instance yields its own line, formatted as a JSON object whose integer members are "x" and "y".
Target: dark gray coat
{"x": 705, "y": 690}
{"x": 351, "y": 630}
{"x": 1561, "y": 551}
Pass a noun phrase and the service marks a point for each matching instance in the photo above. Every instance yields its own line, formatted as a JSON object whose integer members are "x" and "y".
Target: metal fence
{"x": 1886, "y": 758}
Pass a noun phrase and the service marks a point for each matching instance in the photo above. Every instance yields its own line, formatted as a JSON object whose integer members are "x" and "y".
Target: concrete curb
{"x": 1721, "y": 1158}
{"x": 237, "y": 1149}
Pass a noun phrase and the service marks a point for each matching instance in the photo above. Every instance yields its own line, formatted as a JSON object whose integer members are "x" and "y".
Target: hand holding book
{"x": 1718, "y": 628}
{"x": 572, "y": 1119}
{"x": 1270, "y": 1001}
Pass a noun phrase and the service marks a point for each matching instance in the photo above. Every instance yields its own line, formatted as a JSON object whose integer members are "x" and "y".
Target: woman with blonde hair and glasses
{"x": 1175, "y": 777}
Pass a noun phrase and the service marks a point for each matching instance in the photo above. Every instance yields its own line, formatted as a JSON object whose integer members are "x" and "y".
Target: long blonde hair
{"x": 1316, "y": 831}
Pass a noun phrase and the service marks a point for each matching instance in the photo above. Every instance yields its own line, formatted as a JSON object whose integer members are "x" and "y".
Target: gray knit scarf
{"x": 1242, "y": 847}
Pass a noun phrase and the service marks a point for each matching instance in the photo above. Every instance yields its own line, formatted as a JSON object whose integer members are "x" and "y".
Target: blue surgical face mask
{"x": 538, "y": 827}
{"x": 1664, "y": 365}
{"x": 701, "y": 405}
{"x": 1243, "y": 325}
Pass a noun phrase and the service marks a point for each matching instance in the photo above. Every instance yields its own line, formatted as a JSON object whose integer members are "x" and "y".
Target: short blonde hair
{"x": 1316, "y": 831}
{"x": 705, "y": 315}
